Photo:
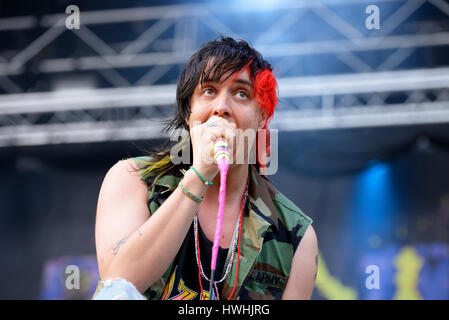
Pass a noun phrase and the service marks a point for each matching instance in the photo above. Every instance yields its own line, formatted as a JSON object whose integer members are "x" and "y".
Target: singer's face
{"x": 233, "y": 100}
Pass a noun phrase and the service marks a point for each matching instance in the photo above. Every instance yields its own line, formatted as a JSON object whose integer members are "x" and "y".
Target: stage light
{"x": 375, "y": 204}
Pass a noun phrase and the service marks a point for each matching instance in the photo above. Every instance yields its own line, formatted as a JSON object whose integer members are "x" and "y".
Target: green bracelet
{"x": 189, "y": 194}
{"x": 207, "y": 183}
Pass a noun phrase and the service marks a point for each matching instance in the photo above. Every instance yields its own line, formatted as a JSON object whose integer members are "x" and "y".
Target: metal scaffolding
{"x": 160, "y": 39}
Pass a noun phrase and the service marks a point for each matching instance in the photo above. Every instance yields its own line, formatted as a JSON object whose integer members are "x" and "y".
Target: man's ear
{"x": 263, "y": 118}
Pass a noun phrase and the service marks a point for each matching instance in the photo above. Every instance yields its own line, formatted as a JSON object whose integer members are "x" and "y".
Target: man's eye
{"x": 242, "y": 94}
{"x": 208, "y": 92}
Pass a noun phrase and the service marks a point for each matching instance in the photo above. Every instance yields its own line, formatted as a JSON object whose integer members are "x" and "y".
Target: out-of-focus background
{"x": 363, "y": 124}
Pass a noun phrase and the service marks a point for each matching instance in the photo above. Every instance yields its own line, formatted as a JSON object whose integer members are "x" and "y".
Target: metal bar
{"x": 18, "y": 23}
{"x": 80, "y": 133}
{"x": 275, "y": 51}
{"x": 37, "y": 45}
{"x": 360, "y": 116}
{"x": 371, "y": 82}
{"x": 176, "y": 11}
{"x": 408, "y": 114}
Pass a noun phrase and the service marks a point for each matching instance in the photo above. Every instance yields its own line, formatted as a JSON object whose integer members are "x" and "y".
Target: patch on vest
{"x": 268, "y": 278}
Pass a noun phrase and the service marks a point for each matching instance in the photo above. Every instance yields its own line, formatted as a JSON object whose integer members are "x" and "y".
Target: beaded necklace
{"x": 230, "y": 259}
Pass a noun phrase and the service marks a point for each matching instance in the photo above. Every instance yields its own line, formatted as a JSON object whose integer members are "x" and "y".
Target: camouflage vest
{"x": 272, "y": 229}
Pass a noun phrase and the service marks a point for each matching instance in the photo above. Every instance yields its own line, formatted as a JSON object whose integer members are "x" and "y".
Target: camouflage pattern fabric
{"x": 272, "y": 230}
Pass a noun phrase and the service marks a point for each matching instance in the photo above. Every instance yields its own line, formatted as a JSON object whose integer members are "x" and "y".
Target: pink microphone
{"x": 221, "y": 154}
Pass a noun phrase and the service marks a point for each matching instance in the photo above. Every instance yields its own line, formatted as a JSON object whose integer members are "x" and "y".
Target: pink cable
{"x": 221, "y": 152}
{"x": 223, "y": 167}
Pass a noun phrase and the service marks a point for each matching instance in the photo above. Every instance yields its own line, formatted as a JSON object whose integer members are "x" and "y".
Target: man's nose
{"x": 222, "y": 108}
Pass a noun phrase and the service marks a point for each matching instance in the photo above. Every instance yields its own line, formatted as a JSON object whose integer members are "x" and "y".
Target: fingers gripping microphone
{"x": 221, "y": 154}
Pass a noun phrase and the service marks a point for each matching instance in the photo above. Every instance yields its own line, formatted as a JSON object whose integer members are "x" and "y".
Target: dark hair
{"x": 229, "y": 57}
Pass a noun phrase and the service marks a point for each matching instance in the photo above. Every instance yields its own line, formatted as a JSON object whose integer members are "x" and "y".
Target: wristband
{"x": 189, "y": 194}
{"x": 207, "y": 183}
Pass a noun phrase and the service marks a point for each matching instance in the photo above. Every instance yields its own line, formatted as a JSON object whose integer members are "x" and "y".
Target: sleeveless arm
{"x": 131, "y": 244}
{"x": 301, "y": 281}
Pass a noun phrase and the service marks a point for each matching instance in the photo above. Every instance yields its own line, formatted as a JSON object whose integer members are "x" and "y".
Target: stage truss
{"x": 129, "y": 105}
